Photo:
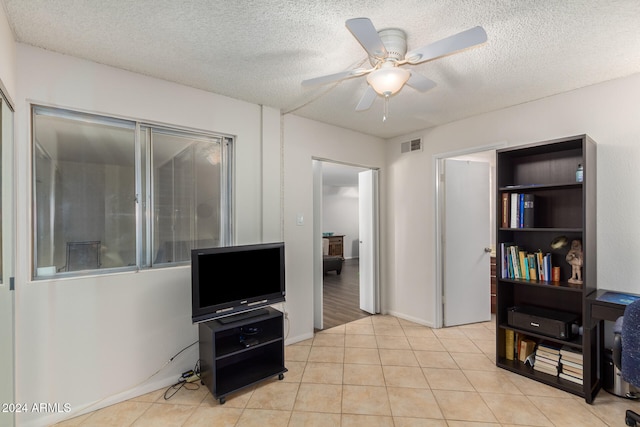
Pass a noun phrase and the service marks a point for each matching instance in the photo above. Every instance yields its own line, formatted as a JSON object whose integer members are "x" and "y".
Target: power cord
{"x": 138, "y": 383}
{"x": 188, "y": 381}
{"x": 178, "y": 353}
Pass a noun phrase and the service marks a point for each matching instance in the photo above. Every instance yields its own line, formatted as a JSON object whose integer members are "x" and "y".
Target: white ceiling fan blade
{"x": 335, "y": 77}
{"x": 447, "y": 46}
{"x": 367, "y": 35}
{"x": 420, "y": 82}
{"x": 367, "y": 99}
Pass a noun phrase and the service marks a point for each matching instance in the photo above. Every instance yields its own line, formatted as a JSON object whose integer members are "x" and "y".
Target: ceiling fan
{"x": 387, "y": 50}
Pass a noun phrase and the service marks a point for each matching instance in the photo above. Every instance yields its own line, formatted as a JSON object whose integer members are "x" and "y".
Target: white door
{"x": 317, "y": 245}
{"x": 368, "y": 230}
{"x": 7, "y": 340}
{"x": 466, "y": 241}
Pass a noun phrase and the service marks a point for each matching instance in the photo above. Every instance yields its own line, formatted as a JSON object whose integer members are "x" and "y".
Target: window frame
{"x": 143, "y": 186}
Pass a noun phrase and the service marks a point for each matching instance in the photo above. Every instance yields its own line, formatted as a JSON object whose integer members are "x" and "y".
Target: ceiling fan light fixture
{"x": 388, "y": 80}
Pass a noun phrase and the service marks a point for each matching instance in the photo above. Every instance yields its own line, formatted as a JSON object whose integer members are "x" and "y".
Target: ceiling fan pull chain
{"x": 385, "y": 113}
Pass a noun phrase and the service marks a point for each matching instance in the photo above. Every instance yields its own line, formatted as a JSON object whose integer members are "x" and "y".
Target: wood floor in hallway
{"x": 341, "y": 293}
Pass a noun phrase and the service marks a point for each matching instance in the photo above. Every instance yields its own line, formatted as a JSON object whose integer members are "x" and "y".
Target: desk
{"x": 604, "y": 305}
{"x": 609, "y": 305}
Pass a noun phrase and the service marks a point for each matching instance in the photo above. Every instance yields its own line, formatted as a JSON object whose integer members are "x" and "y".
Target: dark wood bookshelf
{"x": 562, "y": 207}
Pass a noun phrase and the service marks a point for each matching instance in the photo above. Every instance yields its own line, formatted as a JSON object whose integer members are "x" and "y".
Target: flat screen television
{"x": 232, "y": 279}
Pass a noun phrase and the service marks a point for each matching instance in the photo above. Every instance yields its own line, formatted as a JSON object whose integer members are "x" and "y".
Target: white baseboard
{"x": 419, "y": 321}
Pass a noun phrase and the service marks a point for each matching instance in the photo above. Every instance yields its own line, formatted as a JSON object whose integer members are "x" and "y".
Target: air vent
{"x": 413, "y": 145}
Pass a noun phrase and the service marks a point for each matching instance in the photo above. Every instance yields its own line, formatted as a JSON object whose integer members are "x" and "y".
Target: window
{"x": 186, "y": 186}
{"x": 2, "y": 119}
{"x": 114, "y": 194}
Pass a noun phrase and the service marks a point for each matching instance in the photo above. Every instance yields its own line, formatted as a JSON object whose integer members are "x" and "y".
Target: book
{"x": 509, "y": 344}
{"x": 550, "y": 347}
{"x": 546, "y": 355}
{"x": 572, "y": 364}
{"x": 514, "y": 262}
{"x": 540, "y": 266}
{"x": 549, "y": 267}
{"x": 514, "y": 220}
{"x": 547, "y": 369}
{"x": 572, "y": 361}
{"x": 571, "y": 370}
{"x": 528, "y": 211}
{"x": 571, "y": 354}
{"x": 554, "y": 362}
{"x": 505, "y": 210}
{"x": 533, "y": 270}
{"x": 526, "y": 347}
{"x": 507, "y": 261}
{"x": 570, "y": 378}
{"x": 524, "y": 269}
{"x": 521, "y": 211}
{"x": 542, "y": 363}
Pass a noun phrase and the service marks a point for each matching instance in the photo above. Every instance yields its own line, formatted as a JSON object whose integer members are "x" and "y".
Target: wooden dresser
{"x": 336, "y": 245}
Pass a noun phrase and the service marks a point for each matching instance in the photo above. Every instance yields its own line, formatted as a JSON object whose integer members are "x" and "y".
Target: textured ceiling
{"x": 259, "y": 51}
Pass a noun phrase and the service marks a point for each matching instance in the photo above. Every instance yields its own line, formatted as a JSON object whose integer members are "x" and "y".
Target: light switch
{"x": 299, "y": 219}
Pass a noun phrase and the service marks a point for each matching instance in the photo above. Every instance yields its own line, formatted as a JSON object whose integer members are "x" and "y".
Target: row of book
{"x": 571, "y": 365}
{"x": 516, "y": 263}
{"x": 518, "y": 210}
{"x": 518, "y": 346}
{"x": 564, "y": 362}
{"x": 549, "y": 358}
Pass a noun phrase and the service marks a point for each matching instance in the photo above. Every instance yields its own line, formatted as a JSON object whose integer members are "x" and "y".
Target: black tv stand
{"x": 242, "y": 316}
{"x": 228, "y": 364}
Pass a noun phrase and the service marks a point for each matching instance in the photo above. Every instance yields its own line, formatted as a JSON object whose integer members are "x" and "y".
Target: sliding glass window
{"x": 118, "y": 194}
{"x": 188, "y": 190}
{"x": 2, "y": 178}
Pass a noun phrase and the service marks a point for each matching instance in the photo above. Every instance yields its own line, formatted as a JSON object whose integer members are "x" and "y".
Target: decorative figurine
{"x": 575, "y": 258}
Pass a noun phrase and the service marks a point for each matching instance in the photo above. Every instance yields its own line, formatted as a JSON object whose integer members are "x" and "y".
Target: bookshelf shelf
{"x": 542, "y": 230}
{"x": 574, "y": 343}
{"x": 520, "y": 368}
{"x": 558, "y": 286}
{"x": 544, "y": 174}
{"x": 535, "y": 187}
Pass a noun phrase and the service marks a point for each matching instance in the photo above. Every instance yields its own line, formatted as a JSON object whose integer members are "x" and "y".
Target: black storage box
{"x": 556, "y": 324}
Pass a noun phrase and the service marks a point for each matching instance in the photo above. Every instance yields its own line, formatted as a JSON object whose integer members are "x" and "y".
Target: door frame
{"x": 318, "y": 317}
{"x": 438, "y": 160}
{"x": 8, "y": 242}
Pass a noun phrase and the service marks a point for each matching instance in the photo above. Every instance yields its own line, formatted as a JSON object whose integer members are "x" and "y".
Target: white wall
{"x": 340, "y": 215}
{"x": 8, "y": 59}
{"x": 303, "y": 140}
{"x": 82, "y": 340}
{"x": 608, "y": 112}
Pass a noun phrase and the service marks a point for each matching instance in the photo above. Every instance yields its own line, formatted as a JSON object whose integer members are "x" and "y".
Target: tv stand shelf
{"x": 235, "y": 355}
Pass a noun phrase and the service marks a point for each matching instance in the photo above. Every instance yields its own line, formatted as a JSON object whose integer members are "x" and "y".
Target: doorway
{"x": 345, "y": 231}
{"x": 465, "y": 243}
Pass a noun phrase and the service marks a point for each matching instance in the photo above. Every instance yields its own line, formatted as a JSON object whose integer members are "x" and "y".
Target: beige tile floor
{"x": 378, "y": 371}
